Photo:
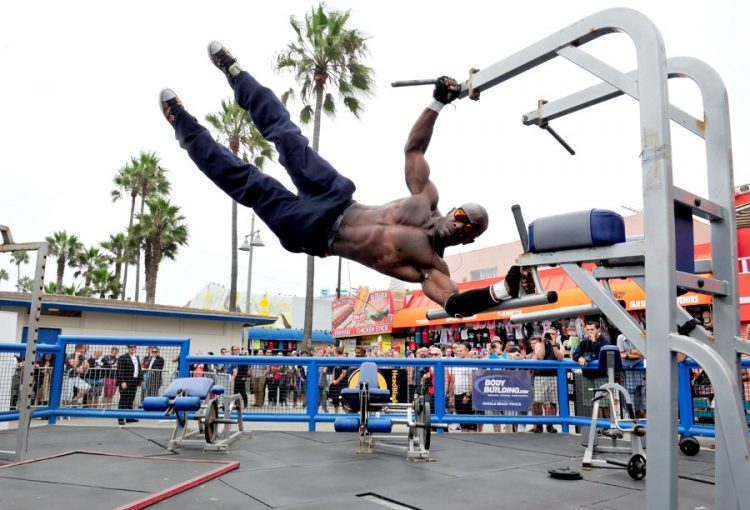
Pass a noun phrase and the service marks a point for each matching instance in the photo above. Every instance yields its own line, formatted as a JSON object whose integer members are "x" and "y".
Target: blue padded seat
{"x": 193, "y": 387}
{"x": 346, "y": 424}
{"x": 217, "y": 389}
{"x": 187, "y": 403}
{"x": 603, "y": 357}
{"x": 368, "y": 372}
{"x": 155, "y": 403}
{"x": 595, "y": 227}
{"x": 379, "y": 425}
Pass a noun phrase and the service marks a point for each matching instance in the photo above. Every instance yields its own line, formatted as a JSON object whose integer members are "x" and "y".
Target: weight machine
{"x": 661, "y": 262}
{"x": 368, "y": 396}
{"x": 199, "y": 395}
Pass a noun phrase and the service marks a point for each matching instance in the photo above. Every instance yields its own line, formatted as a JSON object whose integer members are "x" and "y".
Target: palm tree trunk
{"x": 18, "y": 277}
{"x": 130, "y": 225}
{"x": 233, "y": 276}
{"x": 151, "y": 267}
{"x": 310, "y": 281}
{"x": 60, "y": 272}
{"x": 138, "y": 258}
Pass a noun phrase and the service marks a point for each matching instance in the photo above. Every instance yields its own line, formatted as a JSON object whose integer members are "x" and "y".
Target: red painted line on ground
{"x": 167, "y": 493}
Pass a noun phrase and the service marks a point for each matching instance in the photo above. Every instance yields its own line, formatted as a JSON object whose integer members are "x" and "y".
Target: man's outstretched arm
{"x": 417, "y": 169}
{"x": 444, "y": 291}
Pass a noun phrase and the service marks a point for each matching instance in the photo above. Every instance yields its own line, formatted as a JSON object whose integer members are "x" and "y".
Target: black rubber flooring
{"x": 321, "y": 470}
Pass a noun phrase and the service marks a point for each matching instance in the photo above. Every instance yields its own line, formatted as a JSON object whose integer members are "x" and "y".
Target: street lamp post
{"x": 251, "y": 240}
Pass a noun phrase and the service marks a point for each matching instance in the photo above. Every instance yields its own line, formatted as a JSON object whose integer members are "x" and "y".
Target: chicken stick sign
{"x": 366, "y": 313}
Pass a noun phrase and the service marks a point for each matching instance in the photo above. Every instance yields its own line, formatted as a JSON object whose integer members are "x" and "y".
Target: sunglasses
{"x": 460, "y": 215}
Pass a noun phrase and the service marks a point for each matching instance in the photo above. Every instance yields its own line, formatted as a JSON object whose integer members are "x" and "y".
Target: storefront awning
{"x": 624, "y": 290}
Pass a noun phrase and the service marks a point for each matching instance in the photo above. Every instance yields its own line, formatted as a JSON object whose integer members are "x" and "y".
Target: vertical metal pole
{"x": 313, "y": 382}
{"x": 250, "y": 263}
{"x": 27, "y": 378}
{"x": 661, "y": 305}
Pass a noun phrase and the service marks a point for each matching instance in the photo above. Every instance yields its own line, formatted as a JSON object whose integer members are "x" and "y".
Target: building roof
{"x": 288, "y": 334}
{"x": 89, "y": 304}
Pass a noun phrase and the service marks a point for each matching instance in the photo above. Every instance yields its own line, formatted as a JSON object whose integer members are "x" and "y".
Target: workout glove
{"x": 442, "y": 93}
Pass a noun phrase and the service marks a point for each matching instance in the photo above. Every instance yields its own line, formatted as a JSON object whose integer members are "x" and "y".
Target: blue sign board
{"x": 502, "y": 390}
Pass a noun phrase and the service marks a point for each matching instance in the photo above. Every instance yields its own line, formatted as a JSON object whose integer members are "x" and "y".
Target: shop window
{"x": 482, "y": 274}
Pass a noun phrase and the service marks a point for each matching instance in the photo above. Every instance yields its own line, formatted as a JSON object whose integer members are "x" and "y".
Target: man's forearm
{"x": 421, "y": 133}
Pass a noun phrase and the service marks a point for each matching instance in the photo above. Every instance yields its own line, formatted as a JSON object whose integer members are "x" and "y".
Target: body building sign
{"x": 502, "y": 390}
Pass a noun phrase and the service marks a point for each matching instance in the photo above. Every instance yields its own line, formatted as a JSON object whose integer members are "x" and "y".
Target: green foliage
{"x": 25, "y": 284}
{"x": 66, "y": 248}
{"x": 326, "y": 56}
{"x": 160, "y": 232}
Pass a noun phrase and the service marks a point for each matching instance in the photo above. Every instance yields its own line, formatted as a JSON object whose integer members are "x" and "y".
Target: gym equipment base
{"x": 317, "y": 470}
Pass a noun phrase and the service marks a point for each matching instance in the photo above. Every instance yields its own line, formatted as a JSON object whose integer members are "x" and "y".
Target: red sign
{"x": 367, "y": 313}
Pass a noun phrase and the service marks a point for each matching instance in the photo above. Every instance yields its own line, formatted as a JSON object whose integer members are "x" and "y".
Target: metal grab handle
{"x": 413, "y": 83}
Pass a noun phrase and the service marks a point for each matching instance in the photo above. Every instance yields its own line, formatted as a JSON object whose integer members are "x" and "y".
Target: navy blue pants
{"x": 301, "y": 221}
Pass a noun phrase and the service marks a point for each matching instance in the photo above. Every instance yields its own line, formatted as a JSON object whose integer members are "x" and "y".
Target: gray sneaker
{"x": 224, "y": 60}
{"x": 170, "y": 105}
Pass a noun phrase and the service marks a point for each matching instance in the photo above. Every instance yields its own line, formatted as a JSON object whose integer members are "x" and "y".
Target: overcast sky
{"x": 79, "y": 97}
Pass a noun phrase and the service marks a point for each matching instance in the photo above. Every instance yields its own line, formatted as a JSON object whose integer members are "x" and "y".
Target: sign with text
{"x": 367, "y": 313}
{"x": 502, "y": 390}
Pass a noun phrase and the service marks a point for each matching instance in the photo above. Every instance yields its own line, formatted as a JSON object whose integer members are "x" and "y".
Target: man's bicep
{"x": 418, "y": 176}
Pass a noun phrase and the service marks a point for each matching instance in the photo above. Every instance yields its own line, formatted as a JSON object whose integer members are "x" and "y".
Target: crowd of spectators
{"x": 100, "y": 376}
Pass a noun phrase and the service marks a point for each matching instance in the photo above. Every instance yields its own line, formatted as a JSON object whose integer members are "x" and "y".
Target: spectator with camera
{"x": 545, "y": 396}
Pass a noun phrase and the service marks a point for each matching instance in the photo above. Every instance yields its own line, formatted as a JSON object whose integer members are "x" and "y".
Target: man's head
{"x": 464, "y": 224}
{"x": 462, "y": 350}
{"x": 423, "y": 352}
{"x": 592, "y": 330}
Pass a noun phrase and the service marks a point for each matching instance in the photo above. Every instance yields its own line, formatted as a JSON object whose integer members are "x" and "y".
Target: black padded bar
{"x": 529, "y": 300}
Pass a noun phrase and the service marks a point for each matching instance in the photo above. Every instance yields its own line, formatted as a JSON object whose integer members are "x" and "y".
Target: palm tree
{"x": 88, "y": 261}
{"x": 104, "y": 282}
{"x": 326, "y": 58}
{"x": 119, "y": 252}
{"x": 25, "y": 284}
{"x": 66, "y": 248}
{"x": 233, "y": 125}
{"x": 19, "y": 257}
{"x": 160, "y": 232}
{"x": 142, "y": 177}
{"x": 4, "y": 276}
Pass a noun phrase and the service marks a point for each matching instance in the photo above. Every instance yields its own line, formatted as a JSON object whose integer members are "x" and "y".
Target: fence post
{"x": 57, "y": 377}
{"x": 563, "y": 405}
{"x": 313, "y": 383}
{"x": 184, "y": 368}
{"x": 439, "y": 392}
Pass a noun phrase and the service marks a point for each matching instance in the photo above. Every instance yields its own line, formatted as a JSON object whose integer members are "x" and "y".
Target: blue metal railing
{"x": 313, "y": 366}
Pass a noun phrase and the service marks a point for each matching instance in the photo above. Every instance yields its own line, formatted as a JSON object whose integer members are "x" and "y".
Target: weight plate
{"x": 689, "y": 446}
{"x": 210, "y": 426}
{"x": 427, "y": 430}
{"x": 565, "y": 474}
{"x": 637, "y": 466}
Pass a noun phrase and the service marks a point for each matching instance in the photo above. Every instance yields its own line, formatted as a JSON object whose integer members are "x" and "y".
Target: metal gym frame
{"x": 652, "y": 261}
{"x": 27, "y": 379}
